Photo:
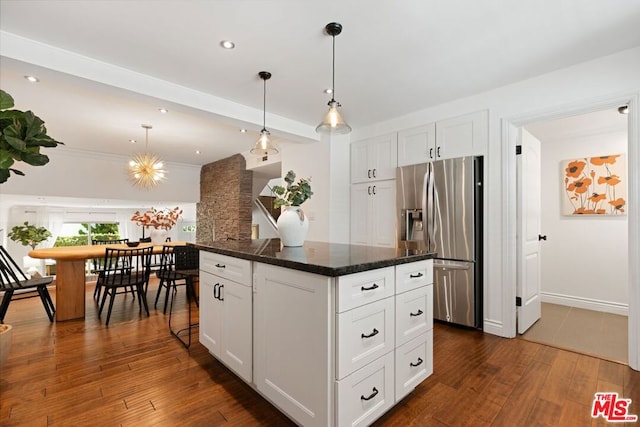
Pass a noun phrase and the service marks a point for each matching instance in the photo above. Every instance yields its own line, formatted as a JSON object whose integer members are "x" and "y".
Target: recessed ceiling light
{"x": 328, "y": 91}
{"x": 197, "y": 151}
{"x": 32, "y": 79}
{"x": 243, "y": 131}
{"x": 163, "y": 110}
{"x": 132, "y": 141}
{"x": 227, "y": 44}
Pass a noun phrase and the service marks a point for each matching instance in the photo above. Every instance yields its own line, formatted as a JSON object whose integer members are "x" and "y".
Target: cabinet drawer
{"x": 414, "y": 313}
{"x": 362, "y": 288}
{"x": 366, "y": 394}
{"x": 413, "y": 275}
{"x": 364, "y": 334}
{"x": 236, "y": 269}
{"x": 414, "y": 363}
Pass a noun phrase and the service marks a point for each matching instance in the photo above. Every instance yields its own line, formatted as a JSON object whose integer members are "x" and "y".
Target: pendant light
{"x": 333, "y": 122}
{"x": 263, "y": 146}
{"x": 146, "y": 169}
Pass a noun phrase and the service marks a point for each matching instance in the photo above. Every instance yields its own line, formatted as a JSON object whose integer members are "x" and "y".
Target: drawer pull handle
{"x": 413, "y": 365}
{"x": 221, "y": 266}
{"x": 415, "y": 276}
{"x": 371, "y": 396}
{"x": 370, "y": 288}
{"x": 416, "y": 314}
{"x": 372, "y": 334}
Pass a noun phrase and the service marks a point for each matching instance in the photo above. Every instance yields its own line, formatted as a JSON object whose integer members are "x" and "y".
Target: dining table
{"x": 70, "y": 273}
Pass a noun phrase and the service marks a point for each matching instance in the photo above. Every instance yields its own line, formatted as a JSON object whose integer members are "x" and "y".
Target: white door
{"x": 528, "y": 236}
{"x": 382, "y": 228}
{"x": 237, "y": 326}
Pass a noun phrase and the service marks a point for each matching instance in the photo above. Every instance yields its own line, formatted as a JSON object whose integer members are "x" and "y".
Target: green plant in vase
{"x": 29, "y": 234}
{"x": 292, "y": 222}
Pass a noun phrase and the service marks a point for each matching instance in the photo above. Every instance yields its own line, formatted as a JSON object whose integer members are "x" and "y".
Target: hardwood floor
{"x": 134, "y": 373}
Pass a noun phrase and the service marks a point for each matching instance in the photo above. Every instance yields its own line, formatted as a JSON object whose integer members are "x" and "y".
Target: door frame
{"x": 510, "y": 195}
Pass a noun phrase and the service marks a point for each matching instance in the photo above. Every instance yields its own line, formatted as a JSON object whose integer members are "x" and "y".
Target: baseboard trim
{"x": 586, "y": 303}
{"x": 494, "y": 327}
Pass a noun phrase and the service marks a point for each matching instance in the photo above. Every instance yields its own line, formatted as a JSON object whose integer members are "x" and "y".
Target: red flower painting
{"x": 595, "y": 185}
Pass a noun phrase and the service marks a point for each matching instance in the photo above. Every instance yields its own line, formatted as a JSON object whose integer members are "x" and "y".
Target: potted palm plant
{"x": 292, "y": 223}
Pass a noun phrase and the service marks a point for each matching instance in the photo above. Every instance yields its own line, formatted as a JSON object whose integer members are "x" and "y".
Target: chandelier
{"x": 146, "y": 169}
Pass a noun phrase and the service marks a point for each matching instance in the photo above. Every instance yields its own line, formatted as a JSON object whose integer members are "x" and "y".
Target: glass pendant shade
{"x": 146, "y": 169}
{"x": 333, "y": 122}
{"x": 263, "y": 146}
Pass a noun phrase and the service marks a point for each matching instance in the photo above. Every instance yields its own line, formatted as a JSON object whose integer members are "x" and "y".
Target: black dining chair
{"x": 125, "y": 269}
{"x": 13, "y": 279}
{"x": 180, "y": 267}
{"x": 98, "y": 262}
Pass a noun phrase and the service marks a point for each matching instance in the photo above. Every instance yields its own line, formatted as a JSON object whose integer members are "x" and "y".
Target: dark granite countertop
{"x": 327, "y": 259}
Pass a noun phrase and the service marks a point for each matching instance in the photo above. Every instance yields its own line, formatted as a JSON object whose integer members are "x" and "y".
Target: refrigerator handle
{"x": 427, "y": 206}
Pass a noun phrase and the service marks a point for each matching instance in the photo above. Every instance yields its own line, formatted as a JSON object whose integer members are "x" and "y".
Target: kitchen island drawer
{"x": 365, "y": 395}
{"x": 414, "y": 363}
{"x": 364, "y": 334}
{"x": 236, "y": 269}
{"x": 355, "y": 290}
{"x": 413, "y": 275}
{"x": 414, "y": 313}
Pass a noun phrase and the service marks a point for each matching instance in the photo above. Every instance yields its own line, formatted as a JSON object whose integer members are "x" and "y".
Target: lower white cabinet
{"x": 226, "y": 322}
{"x": 414, "y": 363}
{"x": 323, "y": 355}
{"x": 367, "y": 393}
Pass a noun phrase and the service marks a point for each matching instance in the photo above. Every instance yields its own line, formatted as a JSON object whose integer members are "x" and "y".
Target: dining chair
{"x": 125, "y": 269}
{"x": 13, "y": 279}
{"x": 187, "y": 269}
{"x": 97, "y": 264}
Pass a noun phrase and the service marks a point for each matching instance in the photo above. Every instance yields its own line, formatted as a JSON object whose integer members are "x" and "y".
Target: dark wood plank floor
{"x": 134, "y": 373}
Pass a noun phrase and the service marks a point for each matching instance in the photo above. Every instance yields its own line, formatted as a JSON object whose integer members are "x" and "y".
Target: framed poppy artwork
{"x": 594, "y": 185}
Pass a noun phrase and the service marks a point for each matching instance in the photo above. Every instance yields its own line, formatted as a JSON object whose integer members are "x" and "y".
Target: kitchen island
{"x": 331, "y": 334}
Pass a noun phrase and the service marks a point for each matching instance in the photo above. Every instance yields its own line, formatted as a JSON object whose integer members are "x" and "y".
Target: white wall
{"x": 585, "y": 258}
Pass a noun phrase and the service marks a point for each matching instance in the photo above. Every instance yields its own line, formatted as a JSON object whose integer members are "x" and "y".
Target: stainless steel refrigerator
{"x": 440, "y": 210}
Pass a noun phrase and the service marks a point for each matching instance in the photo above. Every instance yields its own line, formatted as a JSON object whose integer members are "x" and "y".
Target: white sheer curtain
{"x": 53, "y": 221}
{"x": 127, "y": 228}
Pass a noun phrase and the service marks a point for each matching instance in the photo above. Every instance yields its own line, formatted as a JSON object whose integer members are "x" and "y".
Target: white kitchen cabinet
{"x": 462, "y": 136}
{"x": 417, "y": 145}
{"x": 374, "y": 159}
{"x": 373, "y": 213}
{"x": 293, "y": 333}
{"x": 446, "y": 139}
{"x": 226, "y": 309}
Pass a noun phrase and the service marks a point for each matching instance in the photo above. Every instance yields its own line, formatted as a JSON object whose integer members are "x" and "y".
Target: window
{"x": 75, "y": 233}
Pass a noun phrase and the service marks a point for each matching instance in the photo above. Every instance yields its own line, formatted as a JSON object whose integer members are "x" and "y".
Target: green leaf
{"x": 4, "y": 175}
{"x": 6, "y": 100}
{"x": 16, "y": 143}
{"x": 35, "y": 159}
{"x": 5, "y": 159}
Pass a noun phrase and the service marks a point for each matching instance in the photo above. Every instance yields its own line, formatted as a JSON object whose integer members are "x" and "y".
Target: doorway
{"x": 630, "y": 247}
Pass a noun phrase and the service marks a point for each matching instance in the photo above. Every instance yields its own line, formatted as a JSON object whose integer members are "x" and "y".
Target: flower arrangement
{"x": 165, "y": 218}
{"x": 292, "y": 194}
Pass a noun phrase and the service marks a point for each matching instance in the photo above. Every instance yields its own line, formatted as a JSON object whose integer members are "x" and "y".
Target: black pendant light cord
{"x": 333, "y": 74}
{"x": 264, "y": 106}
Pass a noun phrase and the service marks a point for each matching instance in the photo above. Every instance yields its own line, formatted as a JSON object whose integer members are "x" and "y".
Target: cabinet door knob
{"x": 372, "y": 334}
{"x": 414, "y": 276}
{"x": 220, "y": 296}
{"x": 418, "y": 363}
{"x": 438, "y": 152}
{"x": 216, "y": 290}
{"x": 431, "y": 153}
{"x": 369, "y": 173}
{"x": 374, "y": 173}
{"x": 374, "y": 190}
{"x": 370, "y": 288}
{"x": 371, "y": 396}
{"x": 418, "y": 313}
{"x": 221, "y": 266}
{"x": 369, "y": 190}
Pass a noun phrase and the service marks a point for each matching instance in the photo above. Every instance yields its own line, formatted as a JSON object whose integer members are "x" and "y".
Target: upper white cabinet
{"x": 446, "y": 139}
{"x": 417, "y": 145}
{"x": 374, "y": 159}
{"x": 373, "y": 213}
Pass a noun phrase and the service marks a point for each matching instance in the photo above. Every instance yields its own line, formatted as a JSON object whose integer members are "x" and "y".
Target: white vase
{"x": 293, "y": 225}
{"x": 158, "y": 236}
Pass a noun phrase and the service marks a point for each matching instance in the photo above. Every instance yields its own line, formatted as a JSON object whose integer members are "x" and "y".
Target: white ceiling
{"x": 105, "y": 67}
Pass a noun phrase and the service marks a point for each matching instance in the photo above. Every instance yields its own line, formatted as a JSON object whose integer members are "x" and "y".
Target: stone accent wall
{"x": 224, "y": 210}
